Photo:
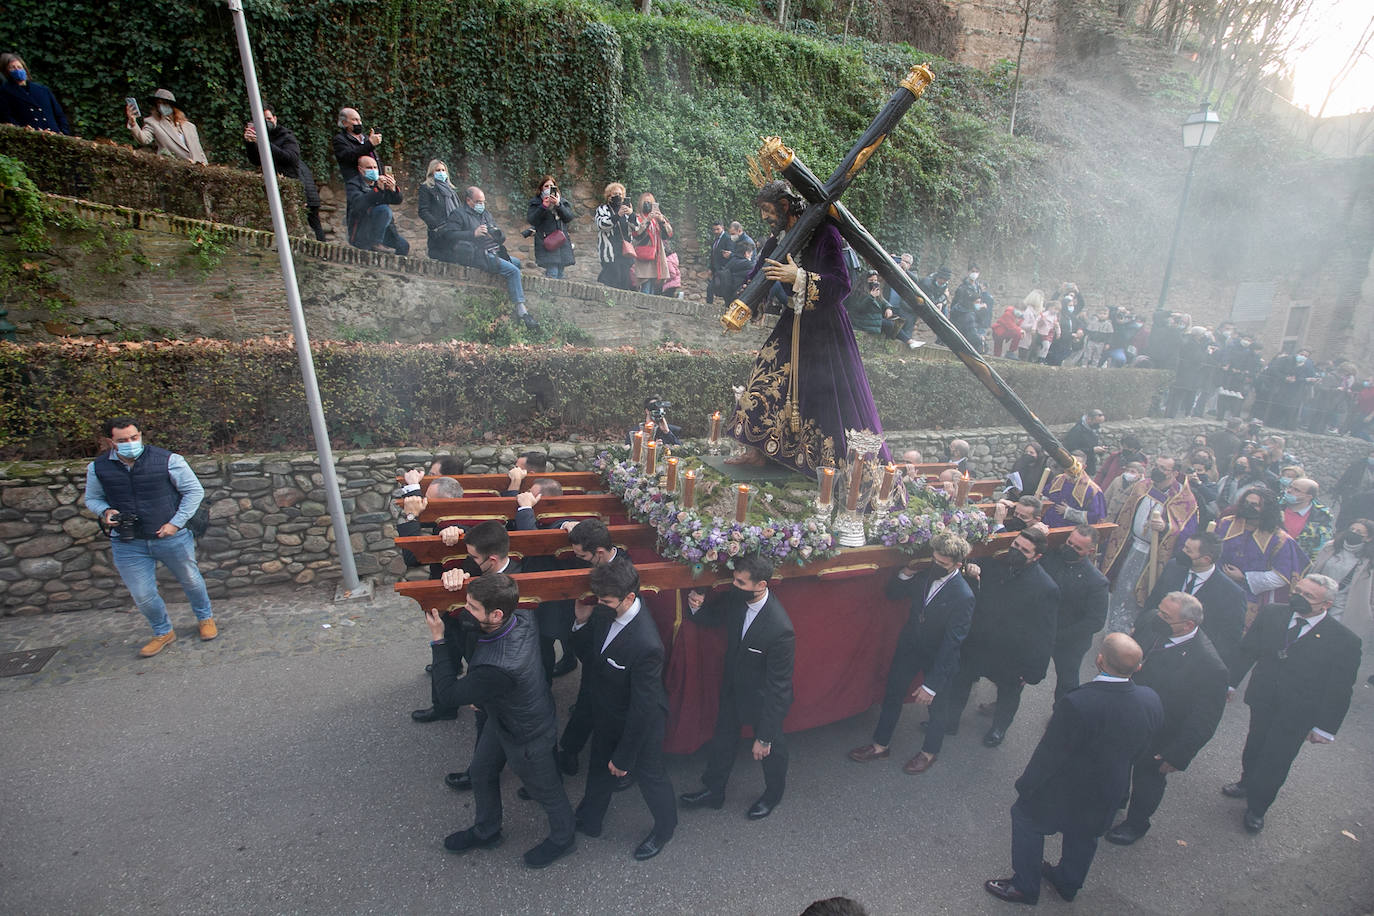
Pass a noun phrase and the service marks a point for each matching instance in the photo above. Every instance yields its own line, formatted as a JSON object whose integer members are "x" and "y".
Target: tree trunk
{"x": 1025, "y": 9}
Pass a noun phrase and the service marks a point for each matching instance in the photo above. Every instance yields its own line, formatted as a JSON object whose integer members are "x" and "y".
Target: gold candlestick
{"x": 741, "y": 502}
{"x": 689, "y": 489}
{"x": 671, "y": 485}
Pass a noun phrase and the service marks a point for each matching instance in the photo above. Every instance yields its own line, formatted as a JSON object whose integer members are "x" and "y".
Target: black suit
{"x": 1084, "y": 438}
{"x": 1082, "y": 612}
{"x": 459, "y": 643}
{"x": 1191, "y": 680}
{"x": 1308, "y": 687}
{"x": 928, "y": 643}
{"x": 1223, "y": 605}
{"x": 1009, "y": 643}
{"x": 629, "y": 711}
{"x": 756, "y": 689}
{"x": 1077, "y": 777}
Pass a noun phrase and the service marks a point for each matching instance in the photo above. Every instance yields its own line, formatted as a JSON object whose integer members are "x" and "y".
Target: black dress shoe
{"x": 547, "y": 852}
{"x": 461, "y": 782}
{"x": 1123, "y": 834}
{"x": 433, "y": 714}
{"x": 703, "y": 798}
{"x": 567, "y": 762}
{"x": 994, "y": 737}
{"x": 1233, "y": 790}
{"x": 1047, "y": 872}
{"x": 1254, "y": 823}
{"x": 1003, "y": 889}
{"x": 761, "y": 809}
{"x": 532, "y": 325}
{"x": 429, "y": 669}
{"x": 624, "y": 782}
{"x": 464, "y": 840}
{"x": 651, "y": 847}
{"x": 566, "y": 665}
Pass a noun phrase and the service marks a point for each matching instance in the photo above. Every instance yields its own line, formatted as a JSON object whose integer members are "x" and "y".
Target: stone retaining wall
{"x": 270, "y": 526}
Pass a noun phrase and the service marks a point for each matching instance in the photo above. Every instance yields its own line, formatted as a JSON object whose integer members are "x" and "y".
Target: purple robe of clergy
{"x": 832, "y": 388}
{"x": 1260, "y": 552}
{"x": 1081, "y": 495}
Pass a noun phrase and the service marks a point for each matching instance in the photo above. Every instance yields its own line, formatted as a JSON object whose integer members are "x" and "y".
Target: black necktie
{"x": 1191, "y": 584}
{"x": 1294, "y": 632}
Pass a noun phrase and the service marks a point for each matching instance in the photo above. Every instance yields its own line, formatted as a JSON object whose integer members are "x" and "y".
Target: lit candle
{"x": 649, "y": 433}
{"x": 651, "y": 458}
{"x": 827, "y": 485}
{"x": 961, "y": 497}
{"x": 856, "y": 479}
{"x": 689, "y": 489}
{"x": 889, "y": 474}
{"x": 637, "y": 452}
{"x": 741, "y": 502}
{"x": 672, "y": 475}
{"x": 715, "y": 427}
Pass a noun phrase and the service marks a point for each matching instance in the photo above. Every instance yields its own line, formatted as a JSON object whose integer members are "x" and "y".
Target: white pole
{"x": 342, "y": 543}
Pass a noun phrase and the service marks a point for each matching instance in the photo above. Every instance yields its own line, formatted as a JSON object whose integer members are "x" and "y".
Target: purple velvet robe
{"x": 1082, "y": 494}
{"x": 1259, "y": 551}
{"x": 832, "y": 388}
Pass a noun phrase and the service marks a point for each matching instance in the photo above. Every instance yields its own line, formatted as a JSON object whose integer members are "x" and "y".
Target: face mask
{"x": 647, "y": 207}
{"x": 748, "y": 596}
{"x": 1301, "y": 360}
{"x": 467, "y": 621}
{"x": 1248, "y": 511}
{"x": 1300, "y": 605}
{"x": 973, "y": 276}
{"x": 479, "y": 208}
{"x": 1157, "y": 477}
{"x": 1130, "y": 477}
{"x": 19, "y": 75}
{"x": 129, "y": 449}
{"x": 441, "y": 175}
{"x": 356, "y": 129}
{"x": 616, "y": 202}
{"x": 1068, "y": 554}
{"x": 1287, "y": 499}
{"x": 370, "y": 174}
{"x": 1354, "y": 541}
{"x": 1370, "y": 462}
{"x": 164, "y": 109}
{"x": 1016, "y": 559}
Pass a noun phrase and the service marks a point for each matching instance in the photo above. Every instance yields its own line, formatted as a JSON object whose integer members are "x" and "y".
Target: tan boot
{"x": 208, "y": 630}
{"x": 158, "y": 644}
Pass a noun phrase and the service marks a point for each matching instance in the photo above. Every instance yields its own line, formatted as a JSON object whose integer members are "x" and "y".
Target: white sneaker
{"x": 914, "y": 344}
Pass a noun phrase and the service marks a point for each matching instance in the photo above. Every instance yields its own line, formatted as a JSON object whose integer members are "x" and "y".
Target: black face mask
{"x": 748, "y": 596}
{"x": 1299, "y": 604}
{"x": 1016, "y": 559}
{"x": 648, "y": 207}
{"x": 468, "y": 622}
{"x": 1069, "y": 555}
{"x": 616, "y": 202}
{"x": 1354, "y": 541}
{"x": 356, "y": 129}
{"x": 1248, "y": 512}
{"x": 1157, "y": 477}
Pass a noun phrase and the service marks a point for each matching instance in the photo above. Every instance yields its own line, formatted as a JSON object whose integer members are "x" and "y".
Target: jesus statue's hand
{"x": 783, "y": 273}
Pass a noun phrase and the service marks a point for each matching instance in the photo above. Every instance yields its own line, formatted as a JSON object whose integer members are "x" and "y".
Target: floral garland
{"x": 691, "y": 537}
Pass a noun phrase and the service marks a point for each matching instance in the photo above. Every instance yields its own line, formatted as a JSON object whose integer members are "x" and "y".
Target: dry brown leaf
{"x": 1351, "y": 835}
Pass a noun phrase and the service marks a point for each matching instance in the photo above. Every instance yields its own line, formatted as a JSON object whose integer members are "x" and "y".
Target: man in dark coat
{"x": 1183, "y": 667}
{"x": 1082, "y": 604}
{"x": 941, "y": 611}
{"x": 1305, "y": 665}
{"x": 1083, "y": 437}
{"x": 756, "y": 688}
{"x": 1223, "y": 601}
{"x": 1010, "y": 640}
{"x": 25, "y": 103}
{"x": 286, "y": 157}
{"x": 505, "y": 679}
{"x": 349, "y": 143}
{"x": 720, "y": 243}
{"x": 1078, "y": 774}
{"x": 622, "y": 659}
{"x": 371, "y": 224}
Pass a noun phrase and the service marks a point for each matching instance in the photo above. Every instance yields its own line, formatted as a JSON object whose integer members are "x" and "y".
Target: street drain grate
{"x": 30, "y": 661}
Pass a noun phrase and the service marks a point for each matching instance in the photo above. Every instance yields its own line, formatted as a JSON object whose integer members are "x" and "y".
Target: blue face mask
{"x": 370, "y": 174}
{"x": 1287, "y": 499}
{"x": 129, "y": 449}
{"x": 1370, "y": 462}
{"x": 441, "y": 175}
{"x": 479, "y": 208}
{"x": 19, "y": 75}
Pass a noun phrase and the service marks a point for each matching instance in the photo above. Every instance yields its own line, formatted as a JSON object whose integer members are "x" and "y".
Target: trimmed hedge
{"x": 122, "y": 176}
{"x": 210, "y": 396}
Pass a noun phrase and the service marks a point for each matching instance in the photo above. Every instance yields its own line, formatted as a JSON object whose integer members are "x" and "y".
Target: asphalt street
{"x": 276, "y": 770}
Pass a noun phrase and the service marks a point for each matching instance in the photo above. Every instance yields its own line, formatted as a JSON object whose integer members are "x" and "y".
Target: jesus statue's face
{"x": 771, "y": 217}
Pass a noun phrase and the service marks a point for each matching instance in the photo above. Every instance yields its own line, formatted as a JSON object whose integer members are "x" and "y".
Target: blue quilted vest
{"x": 145, "y": 489}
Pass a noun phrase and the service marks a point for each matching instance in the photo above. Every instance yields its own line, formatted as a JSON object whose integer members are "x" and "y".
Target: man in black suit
{"x": 1223, "y": 601}
{"x": 756, "y": 688}
{"x": 1078, "y": 774}
{"x": 941, "y": 610}
{"x": 1305, "y": 666}
{"x": 622, "y": 658}
{"x": 1010, "y": 639}
{"x": 1183, "y": 667}
{"x": 1082, "y": 604}
{"x": 1083, "y": 436}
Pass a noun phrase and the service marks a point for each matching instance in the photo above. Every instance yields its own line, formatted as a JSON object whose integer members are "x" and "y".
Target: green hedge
{"x": 214, "y": 396}
{"x": 124, "y": 177}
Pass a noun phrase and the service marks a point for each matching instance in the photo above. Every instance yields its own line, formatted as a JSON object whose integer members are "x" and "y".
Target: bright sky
{"x": 1332, "y": 30}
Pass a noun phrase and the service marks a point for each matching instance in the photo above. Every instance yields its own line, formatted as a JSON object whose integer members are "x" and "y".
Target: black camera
{"x": 657, "y": 408}
{"x": 128, "y": 524}
{"x": 527, "y": 233}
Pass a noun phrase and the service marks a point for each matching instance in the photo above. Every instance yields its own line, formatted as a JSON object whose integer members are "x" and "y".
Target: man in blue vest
{"x": 144, "y": 496}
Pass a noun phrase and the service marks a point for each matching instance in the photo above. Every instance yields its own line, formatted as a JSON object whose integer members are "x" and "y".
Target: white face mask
{"x": 164, "y": 109}
{"x": 1130, "y": 476}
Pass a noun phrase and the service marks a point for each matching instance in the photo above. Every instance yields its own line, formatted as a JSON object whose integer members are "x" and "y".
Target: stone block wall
{"x": 270, "y": 526}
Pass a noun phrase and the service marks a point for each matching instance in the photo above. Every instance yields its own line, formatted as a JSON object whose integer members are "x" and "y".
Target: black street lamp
{"x": 1199, "y": 130}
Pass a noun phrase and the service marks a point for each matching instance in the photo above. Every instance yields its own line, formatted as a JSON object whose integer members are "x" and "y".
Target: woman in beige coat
{"x": 1349, "y": 559}
{"x": 167, "y": 126}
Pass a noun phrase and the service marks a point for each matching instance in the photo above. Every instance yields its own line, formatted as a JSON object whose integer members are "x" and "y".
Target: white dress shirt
{"x": 751, "y": 611}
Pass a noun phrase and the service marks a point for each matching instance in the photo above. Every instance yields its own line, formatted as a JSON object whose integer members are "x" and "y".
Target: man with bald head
{"x": 1079, "y": 773}
{"x": 371, "y": 224}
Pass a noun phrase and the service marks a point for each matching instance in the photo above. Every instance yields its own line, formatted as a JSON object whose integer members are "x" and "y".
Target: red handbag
{"x": 555, "y": 239}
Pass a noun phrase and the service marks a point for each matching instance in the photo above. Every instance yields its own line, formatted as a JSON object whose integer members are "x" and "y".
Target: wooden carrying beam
{"x": 584, "y": 481}
{"x": 665, "y": 575}
{"x": 481, "y": 508}
{"x": 540, "y": 543}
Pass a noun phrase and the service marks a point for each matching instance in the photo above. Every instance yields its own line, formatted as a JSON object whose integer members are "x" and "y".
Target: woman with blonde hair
{"x": 438, "y": 200}
{"x": 1031, "y": 307}
{"x": 651, "y": 234}
{"x": 614, "y": 247}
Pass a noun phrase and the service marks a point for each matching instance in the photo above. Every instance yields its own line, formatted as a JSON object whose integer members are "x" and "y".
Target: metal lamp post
{"x": 1199, "y": 130}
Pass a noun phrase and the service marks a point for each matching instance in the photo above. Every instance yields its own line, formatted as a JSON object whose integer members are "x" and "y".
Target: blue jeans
{"x": 137, "y": 559}
{"x": 553, "y": 273}
{"x": 378, "y": 227}
{"x": 510, "y": 270}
